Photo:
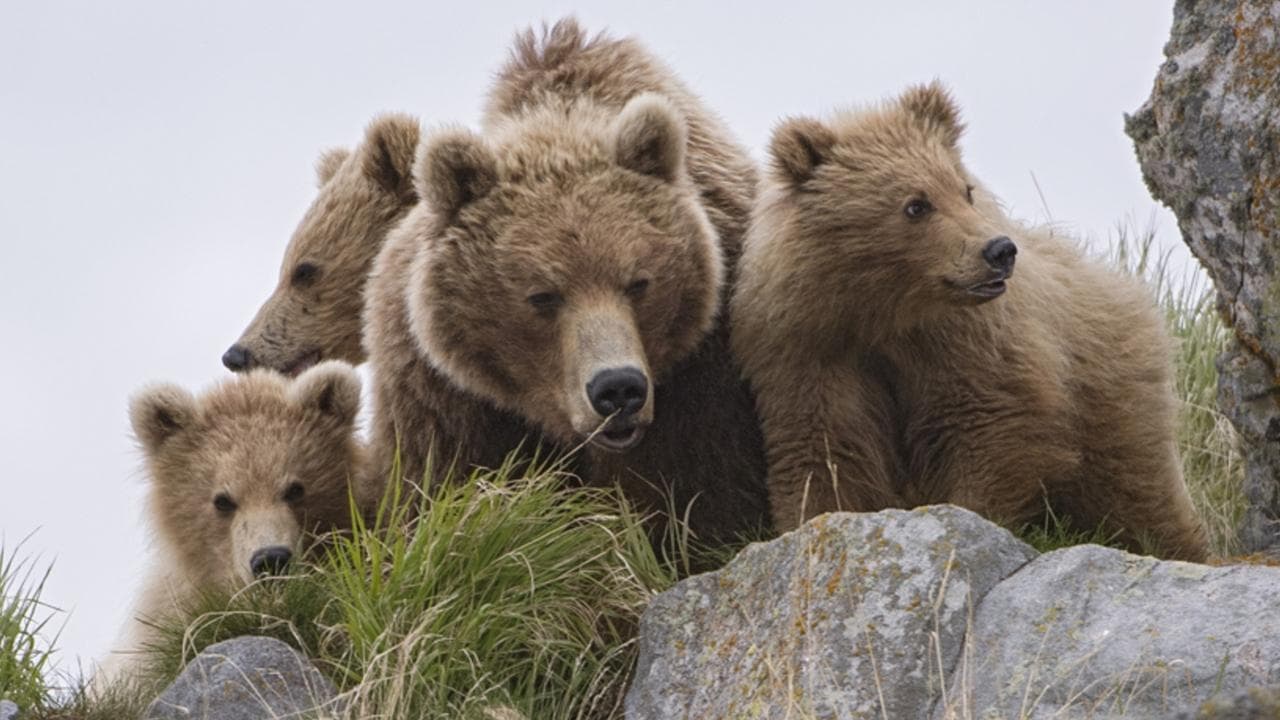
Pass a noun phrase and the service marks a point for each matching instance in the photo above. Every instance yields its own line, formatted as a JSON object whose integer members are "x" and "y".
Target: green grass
{"x": 25, "y": 654}
{"x": 510, "y": 589}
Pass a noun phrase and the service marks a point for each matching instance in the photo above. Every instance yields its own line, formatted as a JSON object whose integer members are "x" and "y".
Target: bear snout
{"x": 272, "y": 560}
{"x": 1000, "y": 253}
{"x": 620, "y": 392}
{"x": 237, "y": 358}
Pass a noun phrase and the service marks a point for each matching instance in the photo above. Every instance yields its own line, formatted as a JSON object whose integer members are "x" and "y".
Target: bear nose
{"x": 237, "y": 358}
{"x": 270, "y": 560}
{"x": 1000, "y": 253}
{"x": 618, "y": 390}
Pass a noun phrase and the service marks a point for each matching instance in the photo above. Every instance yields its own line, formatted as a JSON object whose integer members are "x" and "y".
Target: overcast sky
{"x": 155, "y": 157}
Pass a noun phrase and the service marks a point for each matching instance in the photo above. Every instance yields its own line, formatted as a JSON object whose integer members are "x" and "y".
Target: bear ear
{"x": 455, "y": 168}
{"x": 331, "y": 388}
{"x": 160, "y": 413}
{"x": 933, "y": 105}
{"x": 390, "y": 143}
{"x": 328, "y": 163}
{"x": 649, "y": 137}
{"x": 798, "y": 146}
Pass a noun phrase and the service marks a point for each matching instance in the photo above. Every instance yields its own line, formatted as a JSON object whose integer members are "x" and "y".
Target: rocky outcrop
{"x": 247, "y": 678}
{"x": 1208, "y": 140}
{"x": 938, "y": 613}
{"x": 8, "y": 711}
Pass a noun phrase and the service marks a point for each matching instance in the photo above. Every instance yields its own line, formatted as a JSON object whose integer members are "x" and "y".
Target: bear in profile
{"x": 567, "y": 271}
{"x": 909, "y": 344}
{"x": 314, "y": 314}
{"x": 238, "y": 479}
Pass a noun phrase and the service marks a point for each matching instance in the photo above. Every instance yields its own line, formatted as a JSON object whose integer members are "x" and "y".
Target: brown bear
{"x": 900, "y": 356}
{"x": 567, "y": 270}
{"x": 237, "y": 478}
{"x": 314, "y": 313}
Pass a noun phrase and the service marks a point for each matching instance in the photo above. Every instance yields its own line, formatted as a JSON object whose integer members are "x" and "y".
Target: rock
{"x": 1251, "y": 704}
{"x": 247, "y": 678}
{"x": 848, "y": 616}
{"x": 1208, "y": 141}
{"x": 8, "y": 711}
{"x": 1094, "y": 632}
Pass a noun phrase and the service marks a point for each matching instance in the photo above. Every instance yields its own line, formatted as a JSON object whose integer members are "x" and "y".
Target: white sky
{"x": 155, "y": 157}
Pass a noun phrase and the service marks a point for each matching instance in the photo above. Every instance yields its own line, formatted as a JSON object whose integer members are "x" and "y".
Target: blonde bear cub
{"x": 238, "y": 478}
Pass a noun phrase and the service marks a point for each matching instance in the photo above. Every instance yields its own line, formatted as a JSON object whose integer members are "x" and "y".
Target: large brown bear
{"x": 314, "y": 314}
{"x": 236, "y": 477}
{"x": 900, "y": 356}
{"x": 567, "y": 269}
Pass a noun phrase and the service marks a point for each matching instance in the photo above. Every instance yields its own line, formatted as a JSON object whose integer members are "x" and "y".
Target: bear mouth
{"x": 302, "y": 363}
{"x": 617, "y": 439}
{"x": 988, "y": 290}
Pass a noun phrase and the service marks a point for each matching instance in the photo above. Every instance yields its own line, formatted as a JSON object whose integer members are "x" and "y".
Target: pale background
{"x": 155, "y": 156}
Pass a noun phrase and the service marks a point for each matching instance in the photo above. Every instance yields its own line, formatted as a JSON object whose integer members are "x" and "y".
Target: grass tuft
{"x": 25, "y": 655}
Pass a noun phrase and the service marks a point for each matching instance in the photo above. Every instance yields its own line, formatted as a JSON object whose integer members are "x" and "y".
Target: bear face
{"x": 315, "y": 311}
{"x": 566, "y": 265}
{"x": 883, "y": 196}
{"x": 238, "y": 475}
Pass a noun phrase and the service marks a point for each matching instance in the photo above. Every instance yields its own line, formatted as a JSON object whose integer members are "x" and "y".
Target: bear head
{"x": 239, "y": 474}
{"x": 565, "y": 265}
{"x": 881, "y": 214}
{"x": 314, "y": 313}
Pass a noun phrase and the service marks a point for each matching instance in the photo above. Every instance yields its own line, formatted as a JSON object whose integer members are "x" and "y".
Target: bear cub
{"x": 238, "y": 478}
{"x": 909, "y": 344}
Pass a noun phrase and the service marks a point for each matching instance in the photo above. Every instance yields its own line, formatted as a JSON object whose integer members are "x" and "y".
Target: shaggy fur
{"x": 883, "y": 380}
{"x": 594, "y": 224}
{"x": 276, "y": 455}
{"x": 315, "y": 312}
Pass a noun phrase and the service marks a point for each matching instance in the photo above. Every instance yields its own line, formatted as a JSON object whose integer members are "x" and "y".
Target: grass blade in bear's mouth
{"x": 621, "y": 438}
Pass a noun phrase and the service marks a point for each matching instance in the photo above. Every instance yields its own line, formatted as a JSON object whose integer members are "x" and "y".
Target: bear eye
{"x": 545, "y": 302}
{"x": 223, "y": 503}
{"x": 294, "y": 492}
{"x": 637, "y": 288}
{"x": 968, "y": 192}
{"x": 917, "y": 209}
{"x": 304, "y": 275}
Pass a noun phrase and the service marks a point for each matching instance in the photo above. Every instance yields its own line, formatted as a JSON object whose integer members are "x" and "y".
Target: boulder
{"x": 1092, "y": 632}
{"x": 246, "y": 678}
{"x": 851, "y": 615}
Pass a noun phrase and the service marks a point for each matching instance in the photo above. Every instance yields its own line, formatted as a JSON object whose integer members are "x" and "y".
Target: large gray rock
{"x": 247, "y": 678}
{"x": 8, "y": 711}
{"x": 852, "y": 615}
{"x": 1208, "y": 140}
{"x": 1091, "y": 632}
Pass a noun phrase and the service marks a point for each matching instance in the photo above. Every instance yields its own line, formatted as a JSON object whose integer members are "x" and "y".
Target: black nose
{"x": 237, "y": 358}
{"x": 270, "y": 560}
{"x": 1000, "y": 253}
{"x": 618, "y": 390}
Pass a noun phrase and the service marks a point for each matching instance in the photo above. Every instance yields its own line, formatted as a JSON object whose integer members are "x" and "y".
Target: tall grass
{"x": 25, "y": 654}
{"x": 507, "y": 590}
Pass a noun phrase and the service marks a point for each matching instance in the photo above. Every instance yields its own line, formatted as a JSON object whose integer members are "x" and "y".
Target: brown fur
{"x": 882, "y": 382}
{"x": 595, "y": 224}
{"x": 315, "y": 315}
{"x": 254, "y": 439}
